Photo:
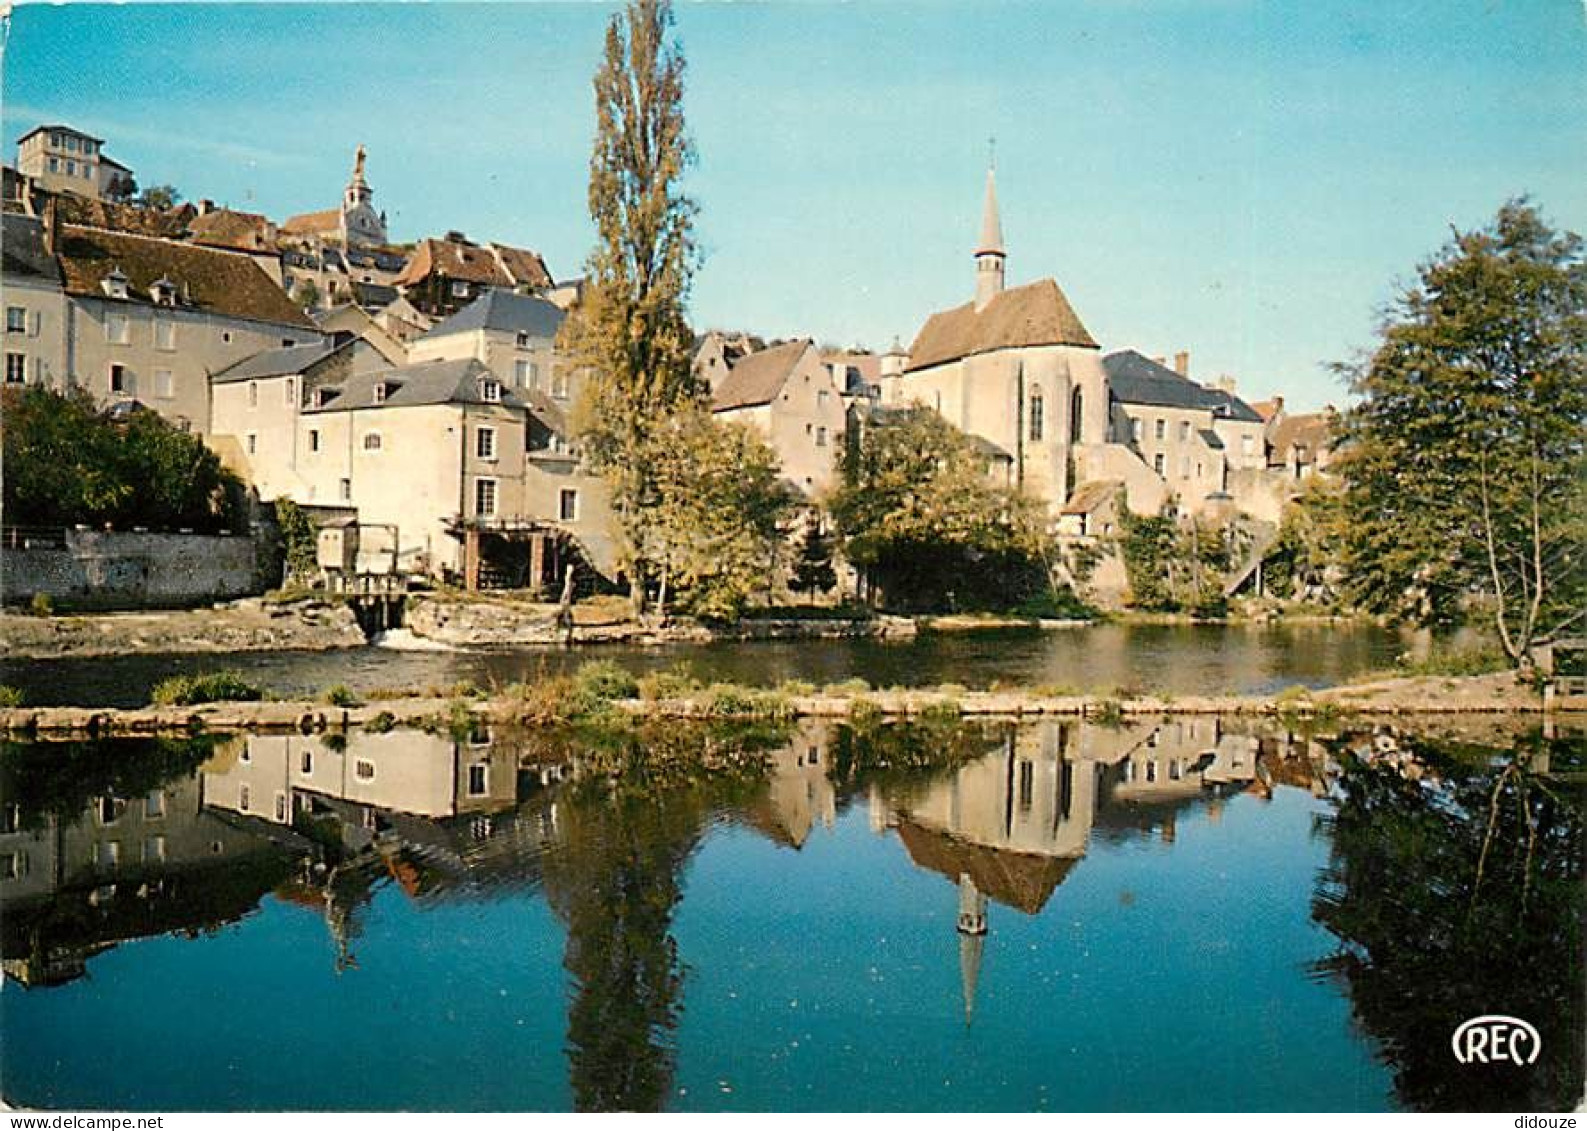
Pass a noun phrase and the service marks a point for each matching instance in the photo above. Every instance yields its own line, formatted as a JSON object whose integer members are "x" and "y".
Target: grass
{"x": 41, "y": 605}
{"x": 848, "y": 688}
{"x": 1480, "y": 659}
{"x": 203, "y": 687}
{"x": 672, "y": 683}
{"x": 342, "y": 696}
{"x": 10, "y": 696}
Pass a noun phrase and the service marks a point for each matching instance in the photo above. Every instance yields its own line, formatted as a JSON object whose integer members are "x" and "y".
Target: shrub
{"x": 674, "y": 683}
{"x": 796, "y": 688}
{"x": 728, "y": 700}
{"x": 1477, "y": 659}
{"x": 848, "y": 687}
{"x": 41, "y": 605}
{"x": 382, "y": 723}
{"x": 864, "y": 713}
{"x": 1107, "y": 712}
{"x": 342, "y": 696}
{"x": 10, "y": 696}
{"x": 203, "y": 687}
{"x": 601, "y": 681}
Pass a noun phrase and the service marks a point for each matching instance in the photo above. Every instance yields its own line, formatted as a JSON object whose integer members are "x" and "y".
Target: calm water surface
{"x": 1175, "y": 915}
{"x": 1179, "y": 659}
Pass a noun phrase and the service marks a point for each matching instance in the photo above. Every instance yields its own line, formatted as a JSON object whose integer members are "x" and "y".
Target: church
{"x": 354, "y": 224}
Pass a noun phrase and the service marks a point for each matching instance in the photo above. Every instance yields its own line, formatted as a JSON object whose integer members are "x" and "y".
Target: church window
{"x": 1037, "y": 411}
{"x": 1076, "y": 404}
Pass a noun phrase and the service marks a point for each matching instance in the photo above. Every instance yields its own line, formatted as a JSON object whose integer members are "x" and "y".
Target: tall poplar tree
{"x": 628, "y": 332}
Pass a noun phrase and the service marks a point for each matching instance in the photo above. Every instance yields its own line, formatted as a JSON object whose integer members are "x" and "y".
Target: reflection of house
{"x": 798, "y": 791}
{"x": 128, "y": 867}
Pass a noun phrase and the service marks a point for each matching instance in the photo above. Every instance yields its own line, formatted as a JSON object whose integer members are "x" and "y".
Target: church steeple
{"x": 989, "y": 253}
{"x": 972, "y": 937}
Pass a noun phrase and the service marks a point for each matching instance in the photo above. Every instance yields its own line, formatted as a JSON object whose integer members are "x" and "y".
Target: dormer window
{"x": 490, "y": 390}
{"x": 115, "y": 284}
{"x": 523, "y": 341}
{"x": 163, "y": 292}
{"x": 380, "y": 392}
{"x": 323, "y": 396}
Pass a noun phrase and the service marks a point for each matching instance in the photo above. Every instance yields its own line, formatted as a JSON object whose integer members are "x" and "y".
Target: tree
{"x": 924, "y": 522}
{"x": 160, "y": 197}
{"x": 812, "y": 569}
{"x": 122, "y": 189}
{"x": 628, "y": 333}
{"x": 1463, "y": 460}
{"x": 1173, "y": 565}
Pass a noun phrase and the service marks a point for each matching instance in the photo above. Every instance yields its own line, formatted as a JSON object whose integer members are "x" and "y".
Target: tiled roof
{"x": 494, "y": 265}
{"x": 757, "y": 378}
{"x": 526, "y": 267}
{"x": 505, "y": 311}
{"x": 1021, "y": 880}
{"x": 1312, "y": 430}
{"x": 220, "y": 282}
{"x": 277, "y": 362}
{"x": 307, "y": 223}
{"x": 1136, "y": 379}
{"x": 240, "y": 231}
{"x": 1036, "y": 314}
{"x": 458, "y": 381}
{"x": 171, "y": 223}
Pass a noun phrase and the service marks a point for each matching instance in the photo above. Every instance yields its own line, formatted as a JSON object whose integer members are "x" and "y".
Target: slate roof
{"x": 1036, "y": 314}
{"x": 505, "y": 311}
{"x": 373, "y": 295}
{"x": 1210, "y": 438}
{"x": 758, "y": 377}
{"x": 218, "y": 282}
{"x": 1136, "y": 379}
{"x": 277, "y": 362}
{"x": 22, "y": 242}
{"x": 427, "y": 383}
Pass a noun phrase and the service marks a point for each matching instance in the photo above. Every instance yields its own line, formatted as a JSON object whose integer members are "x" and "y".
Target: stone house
{"x": 35, "y": 305}
{"x": 444, "y": 275}
{"x": 60, "y": 159}
{"x": 151, "y": 319}
{"x": 788, "y": 395}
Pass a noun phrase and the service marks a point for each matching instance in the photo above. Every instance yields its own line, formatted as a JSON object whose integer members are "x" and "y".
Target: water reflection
{"x": 1454, "y": 886}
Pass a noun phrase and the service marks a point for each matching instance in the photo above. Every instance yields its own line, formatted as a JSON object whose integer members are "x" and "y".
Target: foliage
{"x": 382, "y": 723}
{"x": 297, "y": 539}
{"x": 61, "y": 779}
{"x": 1174, "y": 566}
{"x": 925, "y": 524}
{"x": 1477, "y": 659}
{"x": 342, "y": 696}
{"x": 601, "y": 681}
{"x": 1464, "y": 456}
{"x": 716, "y": 530}
{"x": 161, "y": 197}
{"x": 11, "y": 696}
{"x": 41, "y": 605}
{"x": 67, "y": 462}
{"x": 203, "y": 687}
{"x": 812, "y": 567}
{"x": 672, "y": 683}
{"x": 1302, "y": 564}
{"x": 628, "y": 332}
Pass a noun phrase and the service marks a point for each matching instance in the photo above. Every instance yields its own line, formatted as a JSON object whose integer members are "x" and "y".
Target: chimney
{"x": 51, "y": 225}
{"x": 205, "y": 207}
{"x": 1226, "y": 384}
{"x": 1182, "y": 363}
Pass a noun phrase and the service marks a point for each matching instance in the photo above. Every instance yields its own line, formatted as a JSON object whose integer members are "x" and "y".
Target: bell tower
{"x": 989, "y": 253}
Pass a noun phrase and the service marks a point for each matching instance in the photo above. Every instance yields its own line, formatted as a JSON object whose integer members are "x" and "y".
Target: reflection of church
{"x": 1010, "y": 827}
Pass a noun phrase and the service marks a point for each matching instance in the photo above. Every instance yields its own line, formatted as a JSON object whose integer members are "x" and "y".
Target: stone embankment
{"x": 250, "y": 625}
{"x": 1471, "y": 696}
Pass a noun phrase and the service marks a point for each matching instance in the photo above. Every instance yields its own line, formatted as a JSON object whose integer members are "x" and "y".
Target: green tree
{"x": 628, "y": 332}
{"x": 1174, "y": 566}
{"x": 717, "y": 528}
{"x": 1463, "y": 458}
{"x": 922, "y": 519}
{"x": 812, "y": 567}
{"x": 160, "y": 197}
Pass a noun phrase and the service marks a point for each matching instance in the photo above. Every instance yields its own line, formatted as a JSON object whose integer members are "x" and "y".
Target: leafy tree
{"x": 161, "y": 197}
{"x": 812, "y": 568}
{"x": 122, "y": 189}
{"x": 923, "y": 521}
{"x": 717, "y": 526}
{"x": 1464, "y": 458}
{"x": 307, "y": 292}
{"x": 68, "y": 462}
{"x": 628, "y": 332}
{"x": 298, "y": 539}
{"x": 1303, "y": 563}
{"x": 1174, "y": 566}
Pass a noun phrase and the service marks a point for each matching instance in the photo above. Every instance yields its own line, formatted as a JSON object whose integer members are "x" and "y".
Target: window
{"x": 490, "y": 391}
{"x": 459, "y": 289}
{"x": 1135, "y": 431}
{"x": 16, "y": 320}
{"x": 524, "y": 374}
{"x": 154, "y": 805}
{"x": 1151, "y": 771}
{"x": 478, "y": 779}
{"x": 568, "y": 505}
{"x": 154, "y": 850}
{"x": 16, "y": 368}
{"x": 71, "y": 166}
{"x": 306, "y": 763}
{"x": 371, "y": 441}
{"x": 1076, "y": 405}
{"x": 346, "y": 490}
{"x": 1184, "y": 430}
{"x": 380, "y": 392}
{"x": 253, "y": 394}
{"x": 1037, "y": 412}
{"x": 1160, "y": 430}
{"x": 822, "y": 397}
{"x": 13, "y": 865}
{"x": 1158, "y": 463}
{"x": 10, "y": 818}
{"x": 821, "y": 437}
{"x": 289, "y": 393}
{"x": 1246, "y": 445}
{"x": 364, "y": 770}
{"x": 164, "y": 384}
{"x": 485, "y": 443}
{"x": 1027, "y": 783}
{"x": 164, "y": 334}
{"x": 485, "y": 498}
{"x": 281, "y": 807}
{"x": 253, "y": 443}
{"x": 1184, "y": 467}
{"x": 119, "y": 329}
{"x": 244, "y": 798}
{"x": 523, "y": 341}
{"x": 314, "y": 439}
{"x": 118, "y": 379}
{"x": 107, "y": 853}
{"x": 55, "y": 165}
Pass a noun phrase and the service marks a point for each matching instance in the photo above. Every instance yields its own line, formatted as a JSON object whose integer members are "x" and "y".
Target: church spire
{"x": 989, "y": 253}
{"x": 972, "y": 938}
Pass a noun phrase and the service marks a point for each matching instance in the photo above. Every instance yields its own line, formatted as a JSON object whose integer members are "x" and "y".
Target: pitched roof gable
{"x": 218, "y": 282}
{"x": 1036, "y": 314}
{"x": 1136, "y": 379}
{"x": 758, "y": 377}
{"x": 280, "y": 362}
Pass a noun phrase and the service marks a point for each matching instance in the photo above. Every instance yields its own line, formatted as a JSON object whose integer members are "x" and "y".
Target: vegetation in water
{"x": 11, "y": 696}
{"x": 203, "y": 687}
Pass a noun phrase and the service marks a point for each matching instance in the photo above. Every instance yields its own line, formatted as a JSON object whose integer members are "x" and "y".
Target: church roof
{"x": 1021, "y": 880}
{"x": 758, "y": 377}
{"x": 1136, "y": 379}
{"x": 308, "y": 223}
{"x": 991, "y": 222}
{"x": 505, "y": 311}
{"x": 1036, "y": 314}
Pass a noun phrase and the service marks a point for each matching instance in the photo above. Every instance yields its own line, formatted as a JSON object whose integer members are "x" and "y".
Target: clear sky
{"x": 1243, "y": 179}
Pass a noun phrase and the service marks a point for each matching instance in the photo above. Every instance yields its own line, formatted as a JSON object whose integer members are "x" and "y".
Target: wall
{"x": 130, "y": 570}
{"x": 43, "y": 340}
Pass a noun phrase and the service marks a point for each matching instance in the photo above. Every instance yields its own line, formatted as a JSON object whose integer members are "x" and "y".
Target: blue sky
{"x": 1242, "y": 179}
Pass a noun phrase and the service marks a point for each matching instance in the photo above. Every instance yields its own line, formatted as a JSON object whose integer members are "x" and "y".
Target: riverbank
{"x": 250, "y": 625}
{"x": 1497, "y": 694}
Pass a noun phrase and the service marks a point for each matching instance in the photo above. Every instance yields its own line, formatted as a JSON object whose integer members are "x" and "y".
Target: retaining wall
{"x": 116, "y": 570}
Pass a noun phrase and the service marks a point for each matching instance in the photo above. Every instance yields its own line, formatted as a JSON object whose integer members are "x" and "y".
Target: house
{"x": 445, "y": 275}
{"x": 357, "y": 321}
{"x": 35, "y": 305}
{"x": 59, "y": 158}
{"x": 152, "y": 319}
{"x": 787, "y": 395}
{"x": 1016, "y": 367}
{"x": 1299, "y": 444}
{"x": 231, "y": 230}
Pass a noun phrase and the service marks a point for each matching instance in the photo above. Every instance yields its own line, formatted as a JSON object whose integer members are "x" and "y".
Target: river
{"x": 1171, "y": 915}
{"x": 1175, "y": 659}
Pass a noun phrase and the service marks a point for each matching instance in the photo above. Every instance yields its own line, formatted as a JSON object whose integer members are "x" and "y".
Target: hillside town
{"x": 415, "y": 392}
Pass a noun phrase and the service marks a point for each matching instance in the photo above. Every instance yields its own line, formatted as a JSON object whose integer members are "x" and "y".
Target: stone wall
{"x": 111, "y": 570}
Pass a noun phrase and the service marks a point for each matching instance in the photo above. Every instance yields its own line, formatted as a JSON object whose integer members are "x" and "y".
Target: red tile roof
{"x": 1036, "y": 314}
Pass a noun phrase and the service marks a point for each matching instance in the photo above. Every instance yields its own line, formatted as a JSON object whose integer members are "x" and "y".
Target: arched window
{"x": 1037, "y": 411}
{"x": 1076, "y": 408}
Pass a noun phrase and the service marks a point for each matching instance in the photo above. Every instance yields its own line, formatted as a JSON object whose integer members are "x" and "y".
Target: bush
{"x": 864, "y": 713}
{"x": 728, "y": 700}
{"x": 1478, "y": 659}
{"x": 674, "y": 683}
{"x": 10, "y": 696}
{"x": 848, "y": 687}
{"x": 342, "y": 696}
{"x": 382, "y": 723}
{"x": 204, "y": 687}
{"x": 602, "y": 681}
{"x": 41, "y": 605}
{"x": 1107, "y": 712}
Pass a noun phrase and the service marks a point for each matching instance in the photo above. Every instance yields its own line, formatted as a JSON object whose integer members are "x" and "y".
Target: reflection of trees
{"x": 1455, "y": 887}
{"x": 61, "y": 778}
{"x": 615, "y": 879}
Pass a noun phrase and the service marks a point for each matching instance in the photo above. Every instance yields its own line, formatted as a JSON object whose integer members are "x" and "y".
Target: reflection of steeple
{"x": 972, "y": 939}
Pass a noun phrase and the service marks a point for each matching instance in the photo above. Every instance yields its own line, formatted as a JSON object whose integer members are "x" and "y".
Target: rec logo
{"x": 1494, "y": 1038}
